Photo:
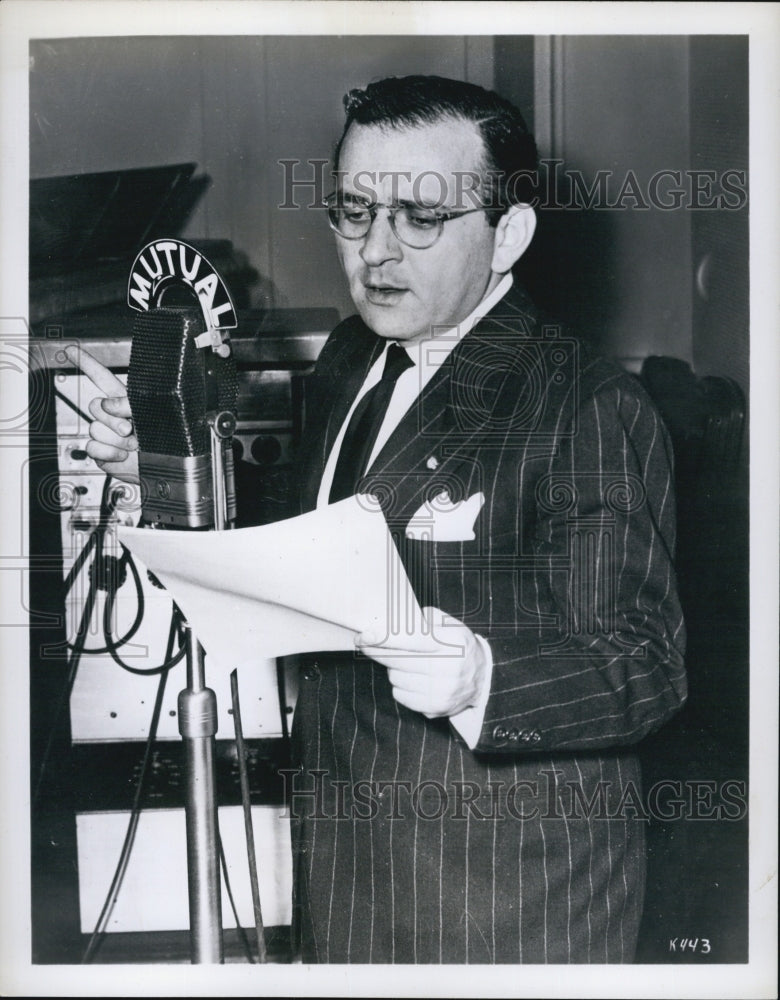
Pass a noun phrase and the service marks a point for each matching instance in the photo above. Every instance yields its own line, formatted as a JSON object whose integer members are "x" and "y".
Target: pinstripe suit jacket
{"x": 408, "y": 846}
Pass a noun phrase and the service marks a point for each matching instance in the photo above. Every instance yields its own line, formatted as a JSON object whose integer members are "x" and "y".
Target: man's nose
{"x": 380, "y": 242}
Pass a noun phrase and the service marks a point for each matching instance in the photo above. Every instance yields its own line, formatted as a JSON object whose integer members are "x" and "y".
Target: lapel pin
{"x": 432, "y": 463}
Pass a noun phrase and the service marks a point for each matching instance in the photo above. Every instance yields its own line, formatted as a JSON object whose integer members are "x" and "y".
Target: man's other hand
{"x": 112, "y": 444}
{"x": 438, "y": 672}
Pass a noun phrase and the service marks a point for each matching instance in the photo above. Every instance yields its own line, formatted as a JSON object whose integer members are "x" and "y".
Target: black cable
{"x": 112, "y": 647}
{"x": 107, "y": 504}
{"x": 95, "y": 539}
{"x": 241, "y": 932}
{"x": 281, "y": 693}
{"x": 135, "y": 814}
{"x": 76, "y": 409}
{"x": 79, "y": 561}
{"x": 112, "y": 582}
{"x": 79, "y": 647}
{"x": 246, "y": 803}
{"x": 124, "y": 562}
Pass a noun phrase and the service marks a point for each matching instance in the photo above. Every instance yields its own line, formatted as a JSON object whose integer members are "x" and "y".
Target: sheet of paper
{"x": 300, "y": 585}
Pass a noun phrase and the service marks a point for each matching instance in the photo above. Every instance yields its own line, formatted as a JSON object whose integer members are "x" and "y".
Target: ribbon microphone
{"x": 182, "y": 386}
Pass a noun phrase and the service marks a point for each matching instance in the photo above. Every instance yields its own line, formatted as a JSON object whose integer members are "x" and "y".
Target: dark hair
{"x": 509, "y": 170}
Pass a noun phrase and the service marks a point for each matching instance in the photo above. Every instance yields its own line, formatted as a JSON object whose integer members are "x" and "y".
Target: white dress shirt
{"x": 428, "y": 355}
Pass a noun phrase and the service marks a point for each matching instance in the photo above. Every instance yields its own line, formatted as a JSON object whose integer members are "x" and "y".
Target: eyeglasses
{"x": 416, "y": 226}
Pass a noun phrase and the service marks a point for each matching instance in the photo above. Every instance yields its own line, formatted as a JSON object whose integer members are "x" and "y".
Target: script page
{"x": 307, "y": 583}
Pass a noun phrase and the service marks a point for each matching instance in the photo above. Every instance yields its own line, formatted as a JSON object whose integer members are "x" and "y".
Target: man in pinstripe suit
{"x": 476, "y": 799}
{"x": 481, "y": 803}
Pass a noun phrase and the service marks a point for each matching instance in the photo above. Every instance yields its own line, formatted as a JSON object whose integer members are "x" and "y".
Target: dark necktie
{"x": 364, "y": 426}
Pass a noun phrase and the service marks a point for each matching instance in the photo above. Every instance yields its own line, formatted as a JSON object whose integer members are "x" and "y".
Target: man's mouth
{"x": 381, "y": 294}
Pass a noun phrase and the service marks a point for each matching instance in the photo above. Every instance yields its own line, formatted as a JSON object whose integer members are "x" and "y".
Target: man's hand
{"x": 112, "y": 444}
{"x": 438, "y": 673}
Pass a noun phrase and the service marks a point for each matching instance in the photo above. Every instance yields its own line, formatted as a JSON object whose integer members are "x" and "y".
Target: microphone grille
{"x": 167, "y": 382}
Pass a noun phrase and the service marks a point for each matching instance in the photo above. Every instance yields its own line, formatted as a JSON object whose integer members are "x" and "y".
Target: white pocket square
{"x": 441, "y": 520}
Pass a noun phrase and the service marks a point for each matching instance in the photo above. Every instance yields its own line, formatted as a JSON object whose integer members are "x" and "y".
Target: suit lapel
{"x": 452, "y": 414}
{"x": 443, "y": 425}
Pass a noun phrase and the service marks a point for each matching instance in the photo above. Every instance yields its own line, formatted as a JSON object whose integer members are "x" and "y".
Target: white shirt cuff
{"x": 468, "y": 723}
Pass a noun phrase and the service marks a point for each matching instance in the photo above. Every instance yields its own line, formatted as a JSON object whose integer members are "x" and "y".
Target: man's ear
{"x": 514, "y": 232}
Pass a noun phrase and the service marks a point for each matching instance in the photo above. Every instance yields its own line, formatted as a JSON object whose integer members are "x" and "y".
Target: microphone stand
{"x": 198, "y": 727}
